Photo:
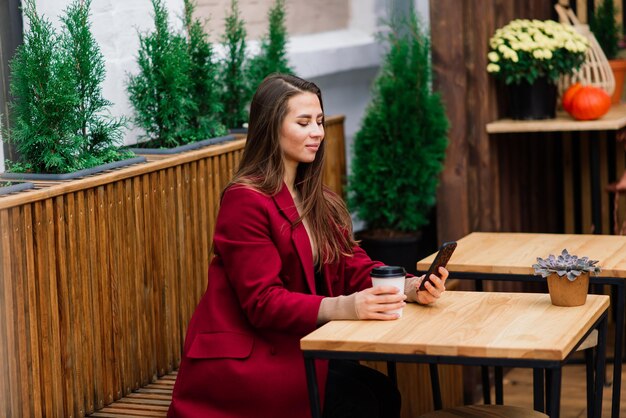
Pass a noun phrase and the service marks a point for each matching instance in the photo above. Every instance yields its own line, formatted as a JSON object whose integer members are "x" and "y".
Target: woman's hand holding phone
{"x": 433, "y": 288}
{"x": 432, "y": 284}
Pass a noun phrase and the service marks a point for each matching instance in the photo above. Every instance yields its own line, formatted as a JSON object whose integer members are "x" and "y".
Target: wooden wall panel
{"x": 478, "y": 179}
{"x": 450, "y": 79}
{"x": 335, "y": 155}
{"x": 470, "y": 180}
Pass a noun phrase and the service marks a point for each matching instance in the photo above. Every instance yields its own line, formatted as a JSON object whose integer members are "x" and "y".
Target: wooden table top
{"x": 614, "y": 120}
{"x": 515, "y": 253}
{"x": 469, "y": 324}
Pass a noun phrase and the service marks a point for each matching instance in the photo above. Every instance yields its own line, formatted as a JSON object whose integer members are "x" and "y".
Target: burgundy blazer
{"x": 242, "y": 355}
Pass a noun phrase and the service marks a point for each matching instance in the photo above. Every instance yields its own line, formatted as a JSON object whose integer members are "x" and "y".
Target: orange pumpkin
{"x": 590, "y": 103}
{"x": 569, "y": 95}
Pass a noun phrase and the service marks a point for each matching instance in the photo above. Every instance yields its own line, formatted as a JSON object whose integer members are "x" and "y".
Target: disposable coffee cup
{"x": 389, "y": 276}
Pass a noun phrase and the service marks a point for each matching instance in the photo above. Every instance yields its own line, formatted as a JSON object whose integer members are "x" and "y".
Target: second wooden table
{"x": 508, "y": 256}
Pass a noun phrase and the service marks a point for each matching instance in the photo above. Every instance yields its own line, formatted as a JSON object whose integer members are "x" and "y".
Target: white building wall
{"x": 302, "y": 16}
{"x": 343, "y": 61}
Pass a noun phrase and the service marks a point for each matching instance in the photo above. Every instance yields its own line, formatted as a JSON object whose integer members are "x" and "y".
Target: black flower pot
{"x": 532, "y": 101}
{"x": 397, "y": 251}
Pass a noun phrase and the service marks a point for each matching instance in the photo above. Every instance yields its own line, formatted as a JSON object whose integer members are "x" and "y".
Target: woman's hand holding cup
{"x": 379, "y": 302}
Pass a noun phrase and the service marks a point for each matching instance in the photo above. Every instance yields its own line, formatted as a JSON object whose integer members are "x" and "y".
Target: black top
{"x": 320, "y": 283}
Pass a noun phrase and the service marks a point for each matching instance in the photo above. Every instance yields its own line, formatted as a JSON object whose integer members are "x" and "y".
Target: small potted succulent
{"x": 568, "y": 277}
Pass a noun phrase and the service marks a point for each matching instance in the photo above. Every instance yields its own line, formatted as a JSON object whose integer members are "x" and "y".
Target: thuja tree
{"x": 204, "y": 117}
{"x": 232, "y": 75}
{"x": 272, "y": 57}
{"x": 606, "y": 30}
{"x": 400, "y": 146}
{"x": 44, "y": 101}
{"x": 160, "y": 92}
{"x": 100, "y": 134}
{"x": 61, "y": 120}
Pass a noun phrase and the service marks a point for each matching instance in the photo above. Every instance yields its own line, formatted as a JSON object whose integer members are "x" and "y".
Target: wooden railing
{"x": 100, "y": 277}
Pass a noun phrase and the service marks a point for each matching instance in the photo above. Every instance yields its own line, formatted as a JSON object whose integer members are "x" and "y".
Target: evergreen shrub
{"x": 175, "y": 95}
{"x": 272, "y": 57}
{"x": 206, "y": 109}
{"x": 606, "y": 30}
{"x": 60, "y": 121}
{"x": 400, "y": 147}
{"x": 232, "y": 75}
{"x": 100, "y": 134}
{"x": 159, "y": 94}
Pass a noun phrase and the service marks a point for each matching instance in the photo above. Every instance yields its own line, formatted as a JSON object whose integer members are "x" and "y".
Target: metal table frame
{"x": 552, "y": 367}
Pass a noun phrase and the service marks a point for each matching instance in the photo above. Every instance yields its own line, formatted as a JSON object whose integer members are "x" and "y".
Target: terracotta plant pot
{"x": 619, "y": 72}
{"x": 566, "y": 293}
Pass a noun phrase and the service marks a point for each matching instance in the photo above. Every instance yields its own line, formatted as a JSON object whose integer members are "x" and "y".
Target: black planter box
{"x": 183, "y": 148}
{"x": 75, "y": 174}
{"x": 14, "y": 188}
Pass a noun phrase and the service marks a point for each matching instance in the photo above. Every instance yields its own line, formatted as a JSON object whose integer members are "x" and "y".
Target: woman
{"x": 285, "y": 262}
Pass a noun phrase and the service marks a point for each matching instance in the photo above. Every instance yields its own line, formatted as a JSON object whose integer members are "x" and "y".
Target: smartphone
{"x": 441, "y": 259}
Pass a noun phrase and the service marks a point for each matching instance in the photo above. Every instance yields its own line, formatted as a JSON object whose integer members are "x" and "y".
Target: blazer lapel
{"x": 299, "y": 237}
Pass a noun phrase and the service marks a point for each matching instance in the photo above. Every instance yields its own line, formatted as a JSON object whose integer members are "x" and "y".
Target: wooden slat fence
{"x": 99, "y": 277}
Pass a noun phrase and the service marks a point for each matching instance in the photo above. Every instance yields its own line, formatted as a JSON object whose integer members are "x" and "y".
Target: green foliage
{"x": 232, "y": 73}
{"x": 44, "y": 100}
{"x": 400, "y": 147}
{"x": 55, "y": 82}
{"x": 175, "y": 95}
{"x": 204, "y": 118}
{"x": 272, "y": 57}
{"x": 160, "y": 92}
{"x": 606, "y": 30}
{"x": 100, "y": 134}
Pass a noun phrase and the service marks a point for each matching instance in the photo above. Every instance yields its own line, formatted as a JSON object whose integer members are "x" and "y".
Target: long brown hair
{"x": 262, "y": 166}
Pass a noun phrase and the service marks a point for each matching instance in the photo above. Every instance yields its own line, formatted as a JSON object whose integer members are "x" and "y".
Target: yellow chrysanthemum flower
{"x": 544, "y": 48}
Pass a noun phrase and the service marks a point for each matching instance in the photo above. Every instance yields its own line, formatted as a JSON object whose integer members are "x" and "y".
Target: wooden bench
{"x": 150, "y": 401}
